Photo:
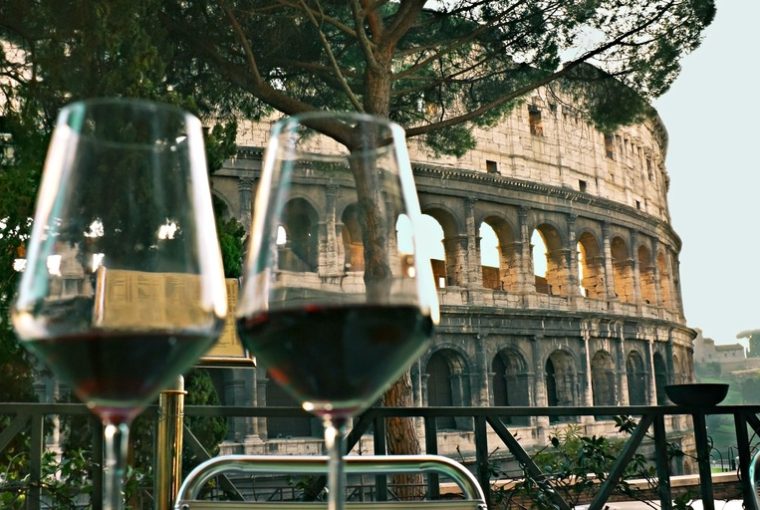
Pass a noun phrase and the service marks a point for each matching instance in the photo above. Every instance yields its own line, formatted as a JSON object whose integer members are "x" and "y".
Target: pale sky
{"x": 712, "y": 114}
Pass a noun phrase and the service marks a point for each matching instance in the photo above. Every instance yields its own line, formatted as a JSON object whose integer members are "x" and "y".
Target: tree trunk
{"x": 401, "y": 438}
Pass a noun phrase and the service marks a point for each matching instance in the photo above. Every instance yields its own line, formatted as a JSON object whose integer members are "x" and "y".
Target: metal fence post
{"x": 168, "y": 470}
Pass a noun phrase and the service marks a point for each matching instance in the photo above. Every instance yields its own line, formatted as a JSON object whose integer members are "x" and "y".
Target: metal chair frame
{"x": 473, "y": 497}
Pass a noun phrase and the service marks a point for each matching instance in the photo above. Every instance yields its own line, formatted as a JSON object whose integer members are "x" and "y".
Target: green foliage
{"x": 210, "y": 431}
{"x": 573, "y": 466}
{"x": 231, "y": 241}
{"x": 220, "y": 144}
{"x": 442, "y": 69}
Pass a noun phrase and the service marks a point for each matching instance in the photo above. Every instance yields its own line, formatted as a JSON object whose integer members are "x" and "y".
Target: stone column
{"x": 330, "y": 262}
{"x": 572, "y": 258}
{"x": 424, "y": 378}
{"x": 671, "y": 376}
{"x": 609, "y": 273}
{"x": 526, "y": 280}
{"x": 245, "y": 186}
{"x": 540, "y": 398}
{"x": 652, "y": 375}
{"x": 472, "y": 259}
{"x": 655, "y": 275}
{"x": 510, "y": 267}
{"x": 481, "y": 383}
{"x": 238, "y": 391}
{"x": 456, "y": 260}
{"x": 261, "y": 392}
{"x": 622, "y": 369}
{"x": 636, "y": 268}
{"x": 558, "y": 273}
{"x": 585, "y": 379}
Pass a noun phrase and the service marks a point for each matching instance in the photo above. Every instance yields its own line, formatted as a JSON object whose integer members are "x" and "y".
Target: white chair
{"x": 754, "y": 480}
{"x": 471, "y": 492}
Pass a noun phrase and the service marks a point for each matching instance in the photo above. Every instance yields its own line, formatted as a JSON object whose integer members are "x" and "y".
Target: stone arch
{"x": 447, "y": 383}
{"x": 590, "y": 267}
{"x": 299, "y": 248}
{"x": 510, "y": 383}
{"x": 286, "y": 426}
{"x": 660, "y": 378}
{"x": 222, "y": 205}
{"x": 560, "y": 380}
{"x": 353, "y": 247}
{"x": 556, "y": 279}
{"x": 622, "y": 269}
{"x": 506, "y": 277}
{"x": 637, "y": 379}
{"x": 666, "y": 282}
{"x": 647, "y": 276}
{"x": 451, "y": 270}
{"x": 603, "y": 387}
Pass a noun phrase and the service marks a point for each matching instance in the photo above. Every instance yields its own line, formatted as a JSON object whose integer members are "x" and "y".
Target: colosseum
{"x": 557, "y": 274}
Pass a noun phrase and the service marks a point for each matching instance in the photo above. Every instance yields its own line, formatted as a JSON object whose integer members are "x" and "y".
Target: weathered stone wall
{"x": 605, "y": 325}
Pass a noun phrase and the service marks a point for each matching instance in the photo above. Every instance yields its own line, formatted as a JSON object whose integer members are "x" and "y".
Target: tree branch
{"x": 403, "y": 20}
{"x": 326, "y": 19}
{"x": 328, "y": 49}
{"x": 361, "y": 36}
{"x": 473, "y": 114}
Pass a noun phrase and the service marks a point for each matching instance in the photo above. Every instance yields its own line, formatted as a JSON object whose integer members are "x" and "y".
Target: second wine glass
{"x": 337, "y": 299}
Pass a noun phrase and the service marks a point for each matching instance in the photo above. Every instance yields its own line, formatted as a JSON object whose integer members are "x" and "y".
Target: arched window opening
{"x": 539, "y": 254}
{"x": 551, "y": 268}
{"x": 603, "y": 387}
{"x": 646, "y": 276}
{"x": 291, "y": 426}
{"x": 431, "y": 239}
{"x": 660, "y": 378}
{"x": 666, "y": 296}
{"x": 590, "y": 268}
{"x": 489, "y": 257}
{"x": 447, "y": 385}
{"x": 510, "y": 384}
{"x": 560, "y": 381}
{"x": 298, "y": 252}
{"x": 636, "y": 378}
{"x": 353, "y": 246}
{"x": 622, "y": 265}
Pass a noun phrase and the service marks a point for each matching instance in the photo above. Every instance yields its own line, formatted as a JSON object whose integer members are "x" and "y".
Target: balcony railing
{"x": 30, "y": 418}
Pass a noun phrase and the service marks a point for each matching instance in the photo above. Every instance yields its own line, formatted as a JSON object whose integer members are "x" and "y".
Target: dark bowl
{"x": 697, "y": 394}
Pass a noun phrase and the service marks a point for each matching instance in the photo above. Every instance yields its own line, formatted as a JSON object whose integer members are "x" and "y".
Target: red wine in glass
{"x": 336, "y": 357}
{"x": 118, "y": 374}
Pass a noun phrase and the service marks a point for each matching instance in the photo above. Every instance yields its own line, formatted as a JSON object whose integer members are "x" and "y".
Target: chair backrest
{"x": 473, "y": 498}
{"x": 754, "y": 480}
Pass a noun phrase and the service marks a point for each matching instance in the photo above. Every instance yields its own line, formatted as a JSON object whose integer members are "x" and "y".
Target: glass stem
{"x": 116, "y": 438}
{"x": 335, "y": 444}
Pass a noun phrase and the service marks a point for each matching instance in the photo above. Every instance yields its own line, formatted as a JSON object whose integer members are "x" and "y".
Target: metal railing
{"x": 30, "y": 418}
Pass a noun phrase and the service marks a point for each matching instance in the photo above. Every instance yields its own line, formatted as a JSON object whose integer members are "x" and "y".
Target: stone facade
{"x": 603, "y": 325}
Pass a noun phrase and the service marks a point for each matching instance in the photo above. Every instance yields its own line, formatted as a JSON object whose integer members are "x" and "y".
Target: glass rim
{"x": 139, "y": 105}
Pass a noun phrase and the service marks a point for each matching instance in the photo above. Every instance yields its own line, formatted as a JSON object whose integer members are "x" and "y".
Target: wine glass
{"x": 123, "y": 288}
{"x": 337, "y": 300}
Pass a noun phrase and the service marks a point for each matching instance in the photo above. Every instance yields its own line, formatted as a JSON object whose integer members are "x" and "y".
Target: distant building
{"x": 754, "y": 342}
{"x": 729, "y": 357}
